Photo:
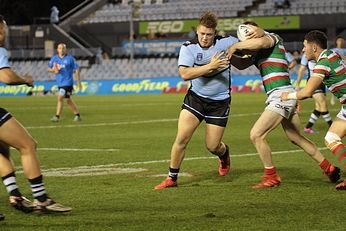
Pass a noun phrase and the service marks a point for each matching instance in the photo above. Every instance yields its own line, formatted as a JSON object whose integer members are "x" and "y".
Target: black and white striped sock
{"x": 38, "y": 189}
{"x": 11, "y": 184}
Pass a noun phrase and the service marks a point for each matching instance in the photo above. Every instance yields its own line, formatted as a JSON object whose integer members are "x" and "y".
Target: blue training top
{"x": 66, "y": 65}
{"x": 215, "y": 85}
{"x": 309, "y": 64}
{"x": 4, "y": 58}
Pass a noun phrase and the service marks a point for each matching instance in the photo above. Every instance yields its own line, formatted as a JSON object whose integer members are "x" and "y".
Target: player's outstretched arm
{"x": 313, "y": 83}
{"x": 9, "y": 77}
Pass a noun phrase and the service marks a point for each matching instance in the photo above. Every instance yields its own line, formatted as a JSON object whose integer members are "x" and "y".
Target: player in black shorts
{"x": 13, "y": 134}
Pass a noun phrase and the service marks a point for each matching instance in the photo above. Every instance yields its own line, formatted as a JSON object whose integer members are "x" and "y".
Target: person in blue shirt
{"x": 13, "y": 134}
{"x": 64, "y": 66}
{"x": 202, "y": 61}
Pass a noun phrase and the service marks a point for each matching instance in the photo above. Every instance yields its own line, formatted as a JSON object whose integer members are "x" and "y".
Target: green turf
{"x": 137, "y": 131}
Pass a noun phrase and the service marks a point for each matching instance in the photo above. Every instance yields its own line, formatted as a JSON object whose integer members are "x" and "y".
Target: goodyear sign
{"x": 225, "y": 24}
{"x": 131, "y": 86}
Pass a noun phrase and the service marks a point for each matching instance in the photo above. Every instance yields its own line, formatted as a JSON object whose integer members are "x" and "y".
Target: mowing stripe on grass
{"x": 81, "y": 149}
{"x": 117, "y": 169}
{"x": 104, "y": 124}
{"x": 133, "y": 122}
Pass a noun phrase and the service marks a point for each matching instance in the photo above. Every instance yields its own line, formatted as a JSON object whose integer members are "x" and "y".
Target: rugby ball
{"x": 242, "y": 31}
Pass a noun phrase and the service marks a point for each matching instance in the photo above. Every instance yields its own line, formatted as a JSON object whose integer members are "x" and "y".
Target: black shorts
{"x": 4, "y": 116}
{"x": 320, "y": 89}
{"x": 212, "y": 111}
{"x": 66, "y": 91}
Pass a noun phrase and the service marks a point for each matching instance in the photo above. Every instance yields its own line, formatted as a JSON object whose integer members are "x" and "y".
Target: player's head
{"x": 314, "y": 43}
{"x": 206, "y": 29}
{"x": 61, "y": 49}
{"x": 339, "y": 42}
{"x": 3, "y": 28}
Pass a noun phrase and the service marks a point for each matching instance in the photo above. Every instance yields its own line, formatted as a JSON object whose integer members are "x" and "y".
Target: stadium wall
{"x": 240, "y": 84}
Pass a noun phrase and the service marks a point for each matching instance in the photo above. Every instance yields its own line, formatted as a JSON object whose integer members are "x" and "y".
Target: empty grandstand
{"x": 105, "y": 25}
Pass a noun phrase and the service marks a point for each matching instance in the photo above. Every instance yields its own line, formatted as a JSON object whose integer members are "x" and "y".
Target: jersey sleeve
{"x": 322, "y": 68}
{"x": 75, "y": 64}
{"x": 276, "y": 39}
{"x": 231, "y": 40}
{"x": 4, "y": 58}
{"x": 304, "y": 60}
{"x": 51, "y": 61}
{"x": 185, "y": 57}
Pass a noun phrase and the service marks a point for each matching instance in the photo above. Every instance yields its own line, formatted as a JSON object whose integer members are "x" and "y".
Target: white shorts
{"x": 284, "y": 108}
{"x": 342, "y": 113}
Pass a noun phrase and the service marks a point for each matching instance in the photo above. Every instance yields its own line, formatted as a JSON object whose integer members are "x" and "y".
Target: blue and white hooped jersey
{"x": 309, "y": 64}
{"x": 66, "y": 65}
{"x": 215, "y": 85}
{"x": 4, "y": 58}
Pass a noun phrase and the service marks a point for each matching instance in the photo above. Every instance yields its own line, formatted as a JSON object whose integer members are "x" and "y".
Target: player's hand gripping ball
{"x": 242, "y": 31}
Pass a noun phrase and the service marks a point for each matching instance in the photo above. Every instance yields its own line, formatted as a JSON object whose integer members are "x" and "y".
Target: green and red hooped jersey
{"x": 331, "y": 68}
{"x": 273, "y": 65}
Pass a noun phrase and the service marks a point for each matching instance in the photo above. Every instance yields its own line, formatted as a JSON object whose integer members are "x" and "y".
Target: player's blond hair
{"x": 208, "y": 19}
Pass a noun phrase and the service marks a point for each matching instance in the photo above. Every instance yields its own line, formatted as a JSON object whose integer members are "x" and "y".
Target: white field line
{"x": 116, "y": 168}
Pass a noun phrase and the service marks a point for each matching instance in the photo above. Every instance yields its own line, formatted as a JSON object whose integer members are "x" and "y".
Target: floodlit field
{"x": 106, "y": 166}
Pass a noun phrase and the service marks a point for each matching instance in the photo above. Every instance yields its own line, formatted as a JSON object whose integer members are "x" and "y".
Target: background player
{"x": 331, "y": 70}
{"x": 64, "y": 65}
{"x": 319, "y": 96}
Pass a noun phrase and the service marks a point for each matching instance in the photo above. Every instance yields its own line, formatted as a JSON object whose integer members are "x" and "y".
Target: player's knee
{"x": 254, "y": 136}
{"x": 213, "y": 148}
{"x": 30, "y": 144}
{"x": 181, "y": 142}
{"x": 332, "y": 140}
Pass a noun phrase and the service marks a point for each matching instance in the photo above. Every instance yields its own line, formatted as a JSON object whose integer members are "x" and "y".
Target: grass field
{"x": 106, "y": 167}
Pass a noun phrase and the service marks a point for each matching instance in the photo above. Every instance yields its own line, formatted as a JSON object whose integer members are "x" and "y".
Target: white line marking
{"x": 90, "y": 171}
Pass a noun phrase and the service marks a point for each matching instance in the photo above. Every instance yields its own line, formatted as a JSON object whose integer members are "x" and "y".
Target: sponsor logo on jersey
{"x": 199, "y": 56}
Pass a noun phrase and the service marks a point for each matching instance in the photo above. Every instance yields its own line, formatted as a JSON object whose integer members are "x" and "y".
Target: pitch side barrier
{"x": 240, "y": 83}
